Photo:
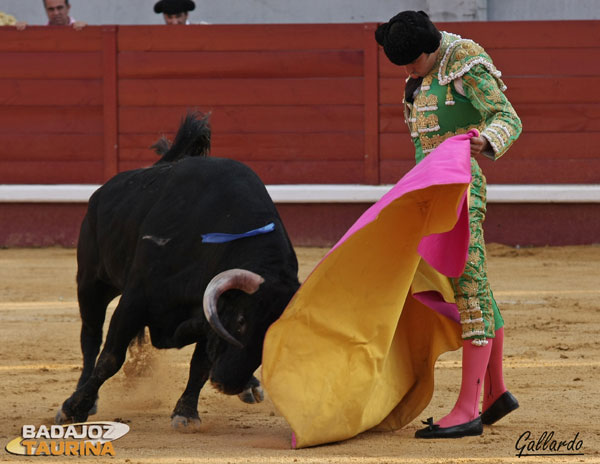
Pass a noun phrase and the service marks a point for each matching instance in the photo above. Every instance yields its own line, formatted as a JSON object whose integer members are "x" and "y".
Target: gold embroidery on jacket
{"x": 430, "y": 142}
{"x": 427, "y": 102}
{"x": 428, "y": 123}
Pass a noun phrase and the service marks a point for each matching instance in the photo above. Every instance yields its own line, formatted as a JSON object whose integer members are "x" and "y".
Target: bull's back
{"x": 215, "y": 183}
{"x": 174, "y": 203}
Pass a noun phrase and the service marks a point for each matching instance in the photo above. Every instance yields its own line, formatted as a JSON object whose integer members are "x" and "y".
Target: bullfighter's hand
{"x": 478, "y": 145}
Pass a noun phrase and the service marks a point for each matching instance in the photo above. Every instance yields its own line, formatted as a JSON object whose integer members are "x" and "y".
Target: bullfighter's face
{"x": 422, "y": 65}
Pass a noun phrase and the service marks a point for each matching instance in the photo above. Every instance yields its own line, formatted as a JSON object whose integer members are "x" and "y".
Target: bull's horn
{"x": 240, "y": 279}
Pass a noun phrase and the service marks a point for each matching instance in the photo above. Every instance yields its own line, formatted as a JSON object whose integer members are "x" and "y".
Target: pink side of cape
{"x": 453, "y": 166}
{"x": 436, "y": 302}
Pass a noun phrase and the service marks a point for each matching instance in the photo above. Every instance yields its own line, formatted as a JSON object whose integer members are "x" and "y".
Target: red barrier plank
{"x": 248, "y": 64}
{"x": 549, "y": 62}
{"x": 304, "y": 172}
{"x": 549, "y": 89}
{"x": 195, "y": 92}
{"x": 259, "y": 147}
{"x": 540, "y": 146}
{"x": 56, "y": 92}
{"x": 299, "y": 119}
{"x": 241, "y": 37}
{"x": 371, "y": 108}
{"x": 526, "y": 34}
{"x": 18, "y": 120}
{"x": 528, "y": 62}
{"x": 28, "y": 225}
{"x": 396, "y": 146}
{"x": 294, "y": 172}
{"x": 391, "y": 90}
{"x": 51, "y": 39}
{"x": 54, "y": 147}
{"x": 50, "y": 65}
{"x": 539, "y": 89}
{"x": 50, "y": 172}
{"x": 559, "y": 117}
{"x": 542, "y": 224}
{"x": 319, "y": 224}
{"x": 392, "y": 171}
{"x": 517, "y": 171}
{"x": 40, "y": 224}
{"x": 391, "y": 119}
{"x": 110, "y": 102}
{"x": 575, "y": 117}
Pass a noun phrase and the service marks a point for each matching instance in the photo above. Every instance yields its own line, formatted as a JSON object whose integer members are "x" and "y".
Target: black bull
{"x": 142, "y": 238}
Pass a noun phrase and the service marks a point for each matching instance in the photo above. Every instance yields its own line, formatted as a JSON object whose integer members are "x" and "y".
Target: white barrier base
{"x": 321, "y": 193}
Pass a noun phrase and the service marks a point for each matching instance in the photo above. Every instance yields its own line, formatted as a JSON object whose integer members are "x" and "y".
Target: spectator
{"x": 58, "y": 15}
{"x": 175, "y": 11}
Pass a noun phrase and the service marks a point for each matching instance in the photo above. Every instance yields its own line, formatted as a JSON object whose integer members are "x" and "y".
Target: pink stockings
{"x": 478, "y": 363}
{"x": 494, "y": 379}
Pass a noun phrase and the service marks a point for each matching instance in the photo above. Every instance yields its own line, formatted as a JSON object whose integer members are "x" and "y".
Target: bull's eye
{"x": 241, "y": 324}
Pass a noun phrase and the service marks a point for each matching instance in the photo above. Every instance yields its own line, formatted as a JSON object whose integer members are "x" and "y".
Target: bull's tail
{"x": 192, "y": 139}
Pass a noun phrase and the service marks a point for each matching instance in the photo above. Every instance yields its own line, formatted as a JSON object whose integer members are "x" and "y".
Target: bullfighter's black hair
{"x": 407, "y": 35}
{"x": 192, "y": 139}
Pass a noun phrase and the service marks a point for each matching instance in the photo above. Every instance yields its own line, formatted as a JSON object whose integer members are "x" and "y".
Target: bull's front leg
{"x": 185, "y": 415}
{"x": 124, "y": 325}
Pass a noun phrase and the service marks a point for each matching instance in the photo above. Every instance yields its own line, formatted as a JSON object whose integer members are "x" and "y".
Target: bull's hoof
{"x": 61, "y": 418}
{"x": 253, "y": 394}
{"x": 186, "y": 424}
{"x": 67, "y": 414}
{"x": 76, "y": 408}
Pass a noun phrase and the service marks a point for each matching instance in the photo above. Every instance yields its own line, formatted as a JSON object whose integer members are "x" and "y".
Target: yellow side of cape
{"x": 354, "y": 350}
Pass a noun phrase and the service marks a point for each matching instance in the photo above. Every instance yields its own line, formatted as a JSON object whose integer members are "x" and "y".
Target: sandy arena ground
{"x": 549, "y": 298}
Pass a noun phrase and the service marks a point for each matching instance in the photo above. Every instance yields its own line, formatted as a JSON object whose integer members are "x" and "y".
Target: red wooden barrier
{"x": 304, "y": 103}
{"x": 299, "y": 103}
{"x": 287, "y": 100}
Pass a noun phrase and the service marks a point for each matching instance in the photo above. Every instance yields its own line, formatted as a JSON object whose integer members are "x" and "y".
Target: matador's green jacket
{"x": 464, "y": 91}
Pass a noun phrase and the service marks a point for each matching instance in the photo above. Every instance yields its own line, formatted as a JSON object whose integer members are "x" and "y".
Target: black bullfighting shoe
{"x": 501, "y": 407}
{"x": 468, "y": 429}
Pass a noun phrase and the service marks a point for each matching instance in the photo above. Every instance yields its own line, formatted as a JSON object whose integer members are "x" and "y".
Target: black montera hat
{"x": 407, "y": 35}
{"x": 174, "y": 6}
